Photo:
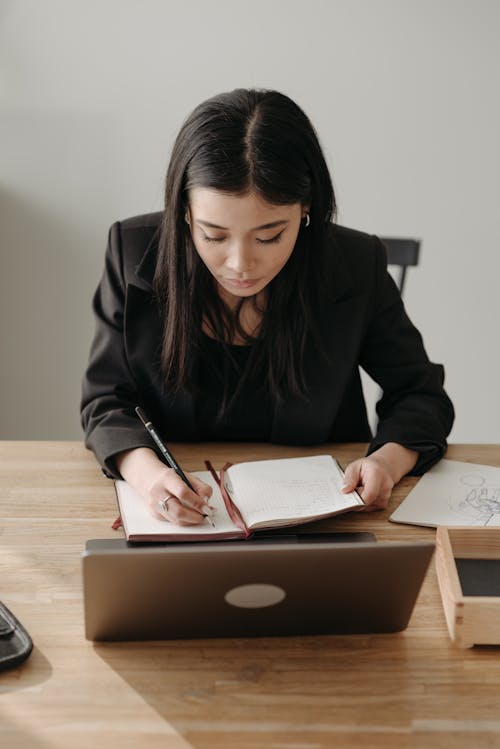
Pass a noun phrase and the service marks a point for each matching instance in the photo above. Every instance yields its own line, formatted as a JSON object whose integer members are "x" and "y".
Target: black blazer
{"x": 364, "y": 324}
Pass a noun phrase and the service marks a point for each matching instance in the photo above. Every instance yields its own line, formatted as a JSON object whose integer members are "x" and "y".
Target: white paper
{"x": 453, "y": 493}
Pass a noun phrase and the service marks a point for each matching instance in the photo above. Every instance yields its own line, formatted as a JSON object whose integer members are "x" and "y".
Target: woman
{"x": 243, "y": 312}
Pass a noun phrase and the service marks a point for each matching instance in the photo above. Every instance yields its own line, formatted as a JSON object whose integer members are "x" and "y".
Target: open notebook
{"x": 246, "y": 497}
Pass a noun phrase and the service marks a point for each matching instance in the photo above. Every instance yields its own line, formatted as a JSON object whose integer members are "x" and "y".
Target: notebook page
{"x": 270, "y": 491}
{"x": 139, "y": 521}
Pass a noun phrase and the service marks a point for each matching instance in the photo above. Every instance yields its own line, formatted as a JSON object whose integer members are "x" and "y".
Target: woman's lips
{"x": 242, "y": 284}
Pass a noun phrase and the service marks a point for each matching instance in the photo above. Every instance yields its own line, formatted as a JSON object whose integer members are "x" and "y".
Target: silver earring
{"x": 307, "y": 220}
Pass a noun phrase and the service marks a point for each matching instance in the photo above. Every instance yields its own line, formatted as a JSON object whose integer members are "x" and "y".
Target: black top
{"x": 249, "y": 418}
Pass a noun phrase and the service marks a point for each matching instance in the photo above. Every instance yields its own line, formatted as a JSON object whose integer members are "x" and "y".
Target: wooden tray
{"x": 471, "y": 619}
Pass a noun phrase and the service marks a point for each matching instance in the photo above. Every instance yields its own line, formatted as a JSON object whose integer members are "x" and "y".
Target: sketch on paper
{"x": 478, "y": 502}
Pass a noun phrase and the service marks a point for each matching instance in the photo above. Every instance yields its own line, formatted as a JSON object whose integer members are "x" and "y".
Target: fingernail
{"x": 207, "y": 510}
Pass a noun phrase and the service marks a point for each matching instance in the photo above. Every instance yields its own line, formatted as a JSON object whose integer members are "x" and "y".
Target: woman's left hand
{"x": 375, "y": 476}
{"x": 372, "y": 480}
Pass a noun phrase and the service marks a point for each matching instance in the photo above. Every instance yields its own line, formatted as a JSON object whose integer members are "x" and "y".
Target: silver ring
{"x": 163, "y": 503}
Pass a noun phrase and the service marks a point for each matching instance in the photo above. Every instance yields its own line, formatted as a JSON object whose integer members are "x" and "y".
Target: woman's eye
{"x": 273, "y": 239}
{"x": 277, "y": 238}
{"x": 213, "y": 239}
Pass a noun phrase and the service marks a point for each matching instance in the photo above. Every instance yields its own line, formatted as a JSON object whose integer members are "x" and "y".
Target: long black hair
{"x": 237, "y": 142}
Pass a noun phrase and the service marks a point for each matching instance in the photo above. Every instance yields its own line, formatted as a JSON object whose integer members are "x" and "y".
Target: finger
{"x": 352, "y": 475}
{"x": 382, "y": 500}
{"x": 379, "y": 500}
{"x": 202, "y": 489}
{"x": 372, "y": 507}
{"x": 186, "y": 496}
{"x": 174, "y": 512}
{"x": 370, "y": 493}
{"x": 374, "y": 485}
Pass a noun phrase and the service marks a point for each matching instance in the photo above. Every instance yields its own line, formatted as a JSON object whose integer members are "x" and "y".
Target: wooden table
{"x": 412, "y": 689}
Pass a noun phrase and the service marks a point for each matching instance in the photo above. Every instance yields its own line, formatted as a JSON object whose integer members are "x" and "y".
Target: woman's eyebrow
{"x": 271, "y": 225}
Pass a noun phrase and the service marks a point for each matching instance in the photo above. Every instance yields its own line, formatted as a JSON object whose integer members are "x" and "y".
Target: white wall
{"x": 404, "y": 95}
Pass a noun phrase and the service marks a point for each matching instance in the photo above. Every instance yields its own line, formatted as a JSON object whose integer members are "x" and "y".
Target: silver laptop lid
{"x": 269, "y": 586}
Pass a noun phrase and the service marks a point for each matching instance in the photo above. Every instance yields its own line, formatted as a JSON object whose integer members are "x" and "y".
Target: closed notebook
{"x": 246, "y": 497}
{"x": 453, "y": 493}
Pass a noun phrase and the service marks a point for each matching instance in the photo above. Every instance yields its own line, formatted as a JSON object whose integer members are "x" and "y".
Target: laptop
{"x": 273, "y": 585}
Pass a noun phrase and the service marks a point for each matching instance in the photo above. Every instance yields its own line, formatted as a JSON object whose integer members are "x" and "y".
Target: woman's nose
{"x": 240, "y": 258}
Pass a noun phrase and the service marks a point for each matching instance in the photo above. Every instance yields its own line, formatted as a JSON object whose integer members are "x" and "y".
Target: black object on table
{"x": 15, "y": 642}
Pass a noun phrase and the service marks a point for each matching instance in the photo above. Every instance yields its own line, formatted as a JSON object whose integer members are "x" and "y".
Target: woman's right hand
{"x": 168, "y": 497}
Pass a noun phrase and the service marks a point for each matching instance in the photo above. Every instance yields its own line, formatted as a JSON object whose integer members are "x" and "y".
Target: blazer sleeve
{"x": 109, "y": 393}
{"x": 414, "y": 410}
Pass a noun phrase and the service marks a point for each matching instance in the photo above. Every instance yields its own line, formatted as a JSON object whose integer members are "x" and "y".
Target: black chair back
{"x": 401, "y": 252}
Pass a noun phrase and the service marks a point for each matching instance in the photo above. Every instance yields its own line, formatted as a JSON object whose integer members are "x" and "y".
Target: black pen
{"x": 169, "y": 458}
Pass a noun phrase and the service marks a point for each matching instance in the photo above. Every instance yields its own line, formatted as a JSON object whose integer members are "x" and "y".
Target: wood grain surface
{"x": 411, "y": 689}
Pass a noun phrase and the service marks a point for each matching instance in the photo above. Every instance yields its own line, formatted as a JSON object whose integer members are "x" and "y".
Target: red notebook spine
{"x": 231, "y": 508}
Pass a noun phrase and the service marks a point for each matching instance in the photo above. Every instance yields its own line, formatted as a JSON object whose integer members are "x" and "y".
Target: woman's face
{"x": 243, "y": 240}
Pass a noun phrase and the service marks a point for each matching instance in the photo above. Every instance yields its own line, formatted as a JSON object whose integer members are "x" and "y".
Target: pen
{"x": 169, "y": 458}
